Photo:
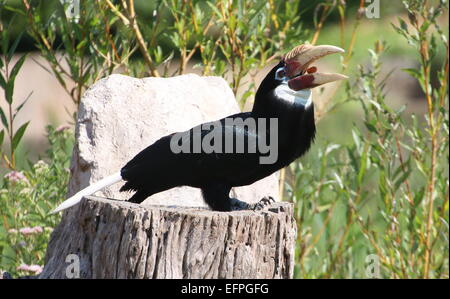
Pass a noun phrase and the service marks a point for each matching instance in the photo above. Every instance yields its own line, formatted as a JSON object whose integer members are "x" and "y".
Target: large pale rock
{"x": 119, "y": 116}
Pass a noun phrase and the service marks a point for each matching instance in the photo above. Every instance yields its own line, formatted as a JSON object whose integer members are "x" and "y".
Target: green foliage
{"x": 8, "y": 74}
{"x": 386, "y": 193}
{"x": 26, "y": 198}
{"x": 108, "y": 37}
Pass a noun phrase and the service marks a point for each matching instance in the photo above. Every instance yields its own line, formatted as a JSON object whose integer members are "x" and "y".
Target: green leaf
{"x": 403, "y": 25}
{"x": 21, "y": 105}
{"x": 2, "y": 80}
{"x": 406, "y": 171}
{"x": 4, "y": 119}
{"x": 13, "y": 48}
{"x": 414, "y": 73}
{"x": 323, "y": 208}
{"x": 426, "y": 24}
{"x": 382, "y": 187}
{"x": 363, "y": 165}
{"x": 16, "y": 68}
{"x": 419, "y": 196}
{"x": 2, "y": 136}
{"x": 15, "y": 10}
{"x": 9, "y": 90}
{"x": 18, "y": 135}
{"x": 371, "y": 127}
{"x": 232, "y": 22}
{"x": 215, "y": 9}
{"x": 81, "y": 45}
{"x": 5, "y": 41}
{"x": 357, "y": 140}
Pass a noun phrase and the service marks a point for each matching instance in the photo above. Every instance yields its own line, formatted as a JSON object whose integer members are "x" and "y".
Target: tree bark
{"x": 116, "y": 239}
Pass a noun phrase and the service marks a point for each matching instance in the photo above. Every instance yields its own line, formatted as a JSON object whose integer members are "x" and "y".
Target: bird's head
{"x": 296, "y": 71}
{"x": 292, "y": 79}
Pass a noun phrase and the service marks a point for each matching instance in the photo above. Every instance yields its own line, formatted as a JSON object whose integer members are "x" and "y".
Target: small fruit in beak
{"x": 311, "y": 70}
{"x": 313, "y": 80}
{"x": 297, "y": 66}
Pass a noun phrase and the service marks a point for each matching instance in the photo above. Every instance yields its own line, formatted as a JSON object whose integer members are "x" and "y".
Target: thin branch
{"x": 131, "y": 18}
{"x": 116, "y": 11}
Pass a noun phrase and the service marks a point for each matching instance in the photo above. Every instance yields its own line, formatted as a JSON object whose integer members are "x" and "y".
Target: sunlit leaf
{"x": 18, "y": 135}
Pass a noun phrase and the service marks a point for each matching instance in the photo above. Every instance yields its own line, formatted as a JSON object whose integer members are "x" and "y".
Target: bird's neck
{"x": 298, "y": 98}
{"x": 295, "y": 114}
{"x": 282, "y": 102}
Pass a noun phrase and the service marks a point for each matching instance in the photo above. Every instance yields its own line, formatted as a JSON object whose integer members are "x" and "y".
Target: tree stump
{"x": 117, "y": 239}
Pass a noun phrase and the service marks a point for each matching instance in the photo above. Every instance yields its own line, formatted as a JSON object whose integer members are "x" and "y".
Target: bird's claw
{"x": 263, "y": 203}
{"x": 238, "y": 205}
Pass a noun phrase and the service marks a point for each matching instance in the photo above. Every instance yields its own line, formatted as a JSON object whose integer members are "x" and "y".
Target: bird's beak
{"x": 299, "y": 72}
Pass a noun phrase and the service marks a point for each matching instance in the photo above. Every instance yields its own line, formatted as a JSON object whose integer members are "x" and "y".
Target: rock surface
{"x": 117, "y": 239}
{"x": 119, "y": 116}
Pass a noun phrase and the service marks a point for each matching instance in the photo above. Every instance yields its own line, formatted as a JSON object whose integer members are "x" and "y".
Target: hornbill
{"x": 284, "y": 95}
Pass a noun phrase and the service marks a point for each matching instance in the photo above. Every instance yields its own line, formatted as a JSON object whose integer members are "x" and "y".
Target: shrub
{"x": 26, "y": 199}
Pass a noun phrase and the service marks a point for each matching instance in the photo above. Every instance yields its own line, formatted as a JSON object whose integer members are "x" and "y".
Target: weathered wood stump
{"x": 117, "y": 239}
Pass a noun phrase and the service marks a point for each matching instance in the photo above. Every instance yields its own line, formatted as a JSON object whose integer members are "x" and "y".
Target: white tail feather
{"x": 110, "y": 180}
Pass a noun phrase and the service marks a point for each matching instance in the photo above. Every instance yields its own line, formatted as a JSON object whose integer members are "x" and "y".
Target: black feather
{"x": 157, "y": 168}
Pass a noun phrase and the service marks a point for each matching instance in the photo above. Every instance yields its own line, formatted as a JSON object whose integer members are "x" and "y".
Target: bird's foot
{"x": 265, "y": 202}
{"x": 238, "y": 205}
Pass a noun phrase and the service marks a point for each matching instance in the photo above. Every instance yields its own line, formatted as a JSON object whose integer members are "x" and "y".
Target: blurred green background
{"x": 54, "y": 104}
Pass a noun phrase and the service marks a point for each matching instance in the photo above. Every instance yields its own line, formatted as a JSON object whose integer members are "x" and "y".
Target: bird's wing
{"x": 230, "y": 162}
{"x": 168, "y": 163}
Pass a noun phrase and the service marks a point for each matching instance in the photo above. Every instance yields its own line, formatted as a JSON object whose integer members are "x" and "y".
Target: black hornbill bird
{"x": 284, "y": 96}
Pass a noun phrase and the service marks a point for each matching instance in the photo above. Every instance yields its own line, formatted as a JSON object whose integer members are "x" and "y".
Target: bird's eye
{"x": 280, "y": 74}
